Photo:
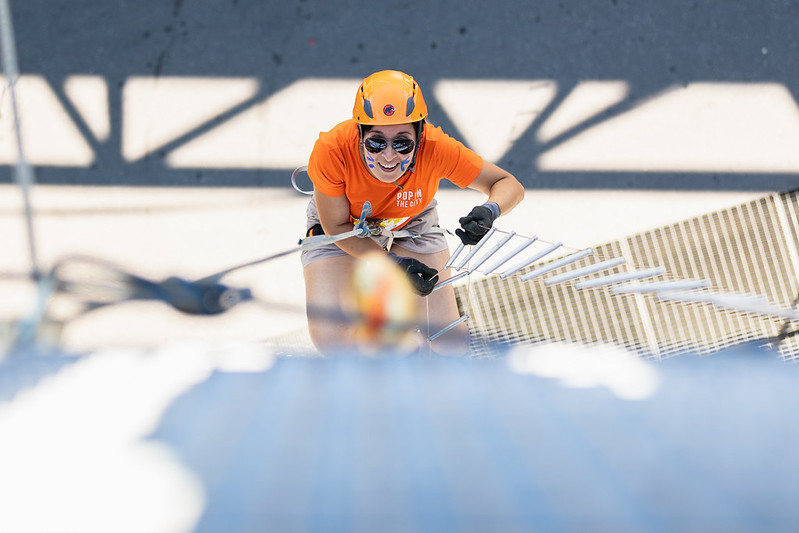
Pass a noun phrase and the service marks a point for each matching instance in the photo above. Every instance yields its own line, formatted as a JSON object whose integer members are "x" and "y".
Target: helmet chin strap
{"x": 419, "y": 127}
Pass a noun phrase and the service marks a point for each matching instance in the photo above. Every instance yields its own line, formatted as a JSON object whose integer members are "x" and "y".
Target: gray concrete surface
{"x": 652, "y": 45}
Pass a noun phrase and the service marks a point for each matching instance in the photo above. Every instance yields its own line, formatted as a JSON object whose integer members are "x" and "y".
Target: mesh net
{"x": 747, "y": 249}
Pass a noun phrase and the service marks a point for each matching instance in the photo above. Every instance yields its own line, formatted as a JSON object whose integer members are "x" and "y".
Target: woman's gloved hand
{"x": 423, "y": 278}
{"x": 477, "y": 223}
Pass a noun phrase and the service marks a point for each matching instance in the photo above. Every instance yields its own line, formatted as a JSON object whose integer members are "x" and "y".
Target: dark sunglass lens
{"x": 375, "y": 144}
{"x": 402, "y": 146}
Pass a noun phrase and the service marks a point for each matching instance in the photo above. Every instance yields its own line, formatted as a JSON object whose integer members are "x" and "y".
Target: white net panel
{"x": 748, "y": 249}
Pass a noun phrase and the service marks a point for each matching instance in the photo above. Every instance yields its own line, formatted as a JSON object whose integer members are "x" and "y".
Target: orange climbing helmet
{"x": 389, "y": 97}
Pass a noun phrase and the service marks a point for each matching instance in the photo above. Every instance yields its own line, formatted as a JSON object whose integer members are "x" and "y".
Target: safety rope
{"x": 22, "y": 170}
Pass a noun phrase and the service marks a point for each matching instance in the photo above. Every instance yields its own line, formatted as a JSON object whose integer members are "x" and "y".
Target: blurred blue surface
{"x": 438, "y": 444}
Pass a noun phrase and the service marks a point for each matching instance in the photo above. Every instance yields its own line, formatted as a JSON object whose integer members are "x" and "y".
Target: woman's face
{"x": 388, "y": 165}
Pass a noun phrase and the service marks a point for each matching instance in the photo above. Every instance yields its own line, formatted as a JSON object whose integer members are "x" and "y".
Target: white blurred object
{"x": 78, "y": 444}
{"x": 626, "y": 375}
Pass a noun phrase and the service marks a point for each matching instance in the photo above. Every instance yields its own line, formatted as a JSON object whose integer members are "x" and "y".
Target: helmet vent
{"x": 409, "y": 106}
{"x": 367, "y": 107}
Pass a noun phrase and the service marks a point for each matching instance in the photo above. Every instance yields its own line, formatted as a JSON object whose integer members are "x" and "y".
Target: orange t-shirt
{"x": 336, "y": 169}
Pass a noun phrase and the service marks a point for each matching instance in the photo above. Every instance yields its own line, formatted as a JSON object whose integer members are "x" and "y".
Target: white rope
{"x": 23, "y": 172}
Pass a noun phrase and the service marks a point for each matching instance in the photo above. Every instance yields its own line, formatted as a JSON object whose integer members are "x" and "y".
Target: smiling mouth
{"x": 388, "y": 169}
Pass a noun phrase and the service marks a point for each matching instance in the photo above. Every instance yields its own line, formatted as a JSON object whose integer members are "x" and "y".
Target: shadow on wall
{"x": 228, "y": 132}
{"x": 681, "y": 95}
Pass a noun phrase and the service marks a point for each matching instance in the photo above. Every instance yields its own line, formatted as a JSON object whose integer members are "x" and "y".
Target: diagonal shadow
{"x": 110, "y": 168}
{"x": 528, "y": 148}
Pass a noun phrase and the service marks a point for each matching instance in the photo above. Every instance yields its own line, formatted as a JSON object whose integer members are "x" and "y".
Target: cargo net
{"x": 701, "y": 285}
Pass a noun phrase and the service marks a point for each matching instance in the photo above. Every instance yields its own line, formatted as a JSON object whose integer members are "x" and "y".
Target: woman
{"x": 388, "y": 156}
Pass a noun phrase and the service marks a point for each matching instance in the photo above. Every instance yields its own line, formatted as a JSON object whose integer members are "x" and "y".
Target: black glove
{"x": 476, "y": 224}
{"x": 423, "y": 278}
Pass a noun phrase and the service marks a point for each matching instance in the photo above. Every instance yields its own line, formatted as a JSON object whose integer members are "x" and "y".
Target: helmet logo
{"x": 388, "y": 110}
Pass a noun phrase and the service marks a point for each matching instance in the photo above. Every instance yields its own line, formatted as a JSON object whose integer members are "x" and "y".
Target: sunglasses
{"x": 400, "y": 145}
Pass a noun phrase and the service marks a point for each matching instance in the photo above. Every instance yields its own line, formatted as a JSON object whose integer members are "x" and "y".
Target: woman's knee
{"x": 326, "y": 337}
